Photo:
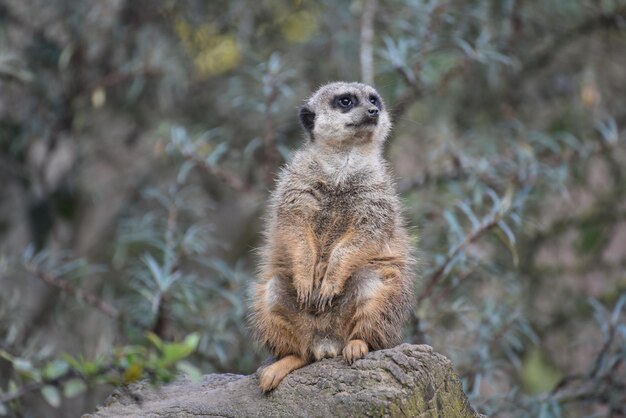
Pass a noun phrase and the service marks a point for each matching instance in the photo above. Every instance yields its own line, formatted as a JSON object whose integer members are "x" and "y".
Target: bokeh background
{"x": 139, "y": 141}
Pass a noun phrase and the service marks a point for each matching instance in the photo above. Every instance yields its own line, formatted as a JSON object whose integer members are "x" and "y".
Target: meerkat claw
{"x": 354, "y": 350}
{"x": 303, "y": 297}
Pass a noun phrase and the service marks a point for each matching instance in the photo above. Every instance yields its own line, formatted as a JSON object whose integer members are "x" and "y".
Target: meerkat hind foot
{"x": 270, "y": 376}
{"x": 354, "y": 350}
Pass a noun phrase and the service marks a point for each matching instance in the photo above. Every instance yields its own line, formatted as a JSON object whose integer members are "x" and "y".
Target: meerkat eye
{"x": 375, "y": 101}
{"x": 344, "y": 102}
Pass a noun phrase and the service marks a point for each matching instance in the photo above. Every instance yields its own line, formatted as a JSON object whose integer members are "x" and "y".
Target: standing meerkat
{"x": 335, "y": 274}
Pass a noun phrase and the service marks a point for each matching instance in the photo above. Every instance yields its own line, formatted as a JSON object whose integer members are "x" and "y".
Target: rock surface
{"x": 408, "y": 380}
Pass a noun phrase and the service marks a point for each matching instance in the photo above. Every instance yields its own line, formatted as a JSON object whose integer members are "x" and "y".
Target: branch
{"x": 598, "y": 382}
{"x": 403, "y": 103}
{"x": 459, "y": 169}
{"x": 20, "y": 392}
{"x": 410, "y": 75}
{"x": 439, "y": 273}
{"x": 230, "y": 179}
{"x": 367, "y": 36}
{"x": 78, "y": 293}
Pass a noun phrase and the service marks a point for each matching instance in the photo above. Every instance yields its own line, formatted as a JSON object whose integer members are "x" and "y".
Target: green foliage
{"x": 138, "y": 141}
{"x": 159, "y": 362}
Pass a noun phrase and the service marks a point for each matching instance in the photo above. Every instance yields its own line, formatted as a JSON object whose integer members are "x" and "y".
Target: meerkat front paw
{"x": 325, "y": 294}
{"x": 320, "y": 271}
{"x": 354, "y": 350}
{"x": 304, "y": 292}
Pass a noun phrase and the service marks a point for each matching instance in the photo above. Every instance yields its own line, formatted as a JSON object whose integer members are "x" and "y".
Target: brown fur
{"x": 335, "y": 266}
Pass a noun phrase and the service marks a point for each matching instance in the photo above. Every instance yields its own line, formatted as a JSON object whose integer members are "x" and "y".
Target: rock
{"x": 408, "y": 380}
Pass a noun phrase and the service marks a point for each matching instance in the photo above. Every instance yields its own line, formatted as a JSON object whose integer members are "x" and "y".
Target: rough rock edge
{"x": 408, "y": 380}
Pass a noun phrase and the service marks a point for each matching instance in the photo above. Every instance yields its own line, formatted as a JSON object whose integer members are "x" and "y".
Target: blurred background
{"x": 139, "y": 141}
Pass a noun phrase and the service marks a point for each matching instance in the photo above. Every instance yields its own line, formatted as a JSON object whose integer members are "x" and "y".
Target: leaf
{"x": 600, "y": 314}
{"x": 495, "y": 199}
{"x": 284, "y": 152}
{"x": 570, "y": 140}
{"x": 22, "y": 365}
{"x": 8, "y": 357}
{"x": 217, "y": 154}
{"x": 154, "y": 339}
{"x": 546, "y": 140}
{"x": 501, "y": 58}
{"x": 161, "y": 278}
{"x": 133, "y": 373}
{"x": 28, "y": 254}
{"x": 392, "y": 52}
{"x": 72, "y": 362}
{"x": 52, "y": 395}
{"x": 507, "y": 200}
{"x": 136, "y": 88}
{"x": 222, "y": 267}
{"x": 517, "y": 220}
{"x": 156, "y": 194}
{"x": 618, "y": 310}
{"x": 466, "y": 47}
{"x": 197, "y": 239}
{"x": 189, "y": 370}
{"x": 208, "y": 135}
{"x": 274, "y": 63}
{"x": 183, "y": 171}
{"x": 252, "y": 146}
{"x": 70, "y": 267}
{"x": 173, "y": 352}
{"x": 55, "y": 369}
{"x": 178, "y": 134}
{"x": 455, "y": 228}
{"x": 91, "y": 368}
{"x": 221, "y": 353}
{"x": 467, "y": 210}
{"x": 609, "y": 131}
{"x": 192, "y": 340}
{"x": 73, "y": 387}
{"x": 507, "y": 231}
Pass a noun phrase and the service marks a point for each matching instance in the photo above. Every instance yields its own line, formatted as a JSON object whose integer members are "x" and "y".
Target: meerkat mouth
{"x": 365, "y": 122}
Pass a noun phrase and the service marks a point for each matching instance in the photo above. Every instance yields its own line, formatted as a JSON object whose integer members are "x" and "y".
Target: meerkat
{"x": 335, "y": 275}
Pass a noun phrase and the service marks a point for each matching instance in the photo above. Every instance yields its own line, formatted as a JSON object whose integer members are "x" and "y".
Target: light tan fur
{"x": 335, "y": 272}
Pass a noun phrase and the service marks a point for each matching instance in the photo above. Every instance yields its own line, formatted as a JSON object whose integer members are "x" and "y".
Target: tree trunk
{"x": 408, "y": 380}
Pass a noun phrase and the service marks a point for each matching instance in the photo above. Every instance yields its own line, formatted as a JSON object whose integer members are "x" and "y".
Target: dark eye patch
{"x": 344, "y": 102}
{"x": 375, "y": 100}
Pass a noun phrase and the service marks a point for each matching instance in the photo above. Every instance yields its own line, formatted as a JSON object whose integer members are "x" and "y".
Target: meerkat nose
{"x": 373, "y": 112}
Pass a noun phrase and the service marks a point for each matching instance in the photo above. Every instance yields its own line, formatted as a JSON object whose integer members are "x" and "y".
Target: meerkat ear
{"x": 307, "y": 118}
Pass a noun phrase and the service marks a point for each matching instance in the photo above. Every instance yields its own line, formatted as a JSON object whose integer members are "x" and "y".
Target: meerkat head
{"x": 344, "y": 114}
